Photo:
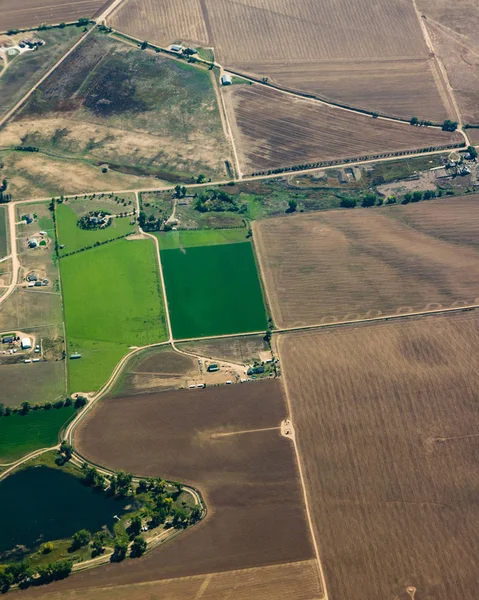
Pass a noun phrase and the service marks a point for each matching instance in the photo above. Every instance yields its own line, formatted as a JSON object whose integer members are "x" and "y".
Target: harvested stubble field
{"x": 32, "y": 13}
{"x": 454, "y": 34}
{"x": 289, "y": 581}
{"x": 389, "y": 412}
{"x": 114, "y": 106}
{"x": 273, "y": 130}
{"x": 240, "y": 350}
{"x": 248, "y": 478}
{"x": 354, "y": 264}
{"x": 298, "y": 45}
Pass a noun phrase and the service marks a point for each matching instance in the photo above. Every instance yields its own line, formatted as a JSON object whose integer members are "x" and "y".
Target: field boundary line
{"x": 304, "y": 488}
{"x": 437, "y": 311}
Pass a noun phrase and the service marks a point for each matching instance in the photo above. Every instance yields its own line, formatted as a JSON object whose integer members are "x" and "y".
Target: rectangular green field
{"x": 74, "y": 238}
{"x": 213, "y": 290}
{"x": 210, "y": 237}
{"x": 22, "y": 434}
{"x": 3, "y": 232}
{"x": 112, "y": 300}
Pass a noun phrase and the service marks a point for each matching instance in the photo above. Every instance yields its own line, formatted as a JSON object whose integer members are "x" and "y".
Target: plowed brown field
{"x": 368, "y": 55}
{"x": 226, "y": 442}
{"x": 273, "y": 129}
{"x": 387, "y": 422}
{"x": 354, "y": 264}
{"x": 290, "y": 581}
{"x": 31, "y": 13}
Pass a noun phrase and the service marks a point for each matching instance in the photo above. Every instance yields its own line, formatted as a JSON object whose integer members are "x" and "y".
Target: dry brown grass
{"x": 240, "y": 350}
{"x": 355, "y": 264}
{"x": 289, "y": 581}
{"x": 31, "y": 13}
{"x": 273, "y": 129}
{"x": 249, "y": 480}
{"x": 387, "y": 425}
{"x": 368, "y": 55}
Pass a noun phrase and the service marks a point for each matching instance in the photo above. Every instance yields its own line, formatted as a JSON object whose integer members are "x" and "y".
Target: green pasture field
{"x": 22, "y": 434}
{"x": 213, "y": 290}
{"x": 192, "y": 238}
{"x": 112, "y": 300}
{"x": 74, "y": 238}
{"x": 3, "y": 232}
{"x": 27, "y": 68}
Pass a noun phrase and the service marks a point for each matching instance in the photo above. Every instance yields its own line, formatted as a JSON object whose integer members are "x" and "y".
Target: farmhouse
{"x": 176, "y": 48}
{"x": 226, "y": 79}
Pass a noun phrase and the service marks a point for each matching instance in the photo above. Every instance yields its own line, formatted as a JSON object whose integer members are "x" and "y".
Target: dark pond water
{"x": 41, "y": 504}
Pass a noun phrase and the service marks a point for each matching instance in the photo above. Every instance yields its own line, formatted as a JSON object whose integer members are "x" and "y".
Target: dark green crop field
{"x": 213, "y": 290}
{"x": 22, "y": 434}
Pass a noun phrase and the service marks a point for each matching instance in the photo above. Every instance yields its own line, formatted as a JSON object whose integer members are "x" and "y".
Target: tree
{"x": 144, "y": 45}
{"x": 62, "y": 25}
{"x": 428, "y": 194}
{"x": 92, "y": 478}
{"x": 449, "y": 125}
{"x": 47, "y": 548}
{"x": 391, "y": 200}
{"x": 201, "y": 178}
{"x": 80, "y": 402}
{"x": 416, "y": 197}
{"x": 98, "y": 543}
{"x": 347, "y": 202}
{"x": 80, "y": 539}
{"x": 25, "y": 409}
{"x": 414, "y": 121}
{"x": 138, "y": 547}
{"x": 65, "y": 453}
{"x": 135, "y": 526}
{"x": 119, "y": 551}
{"x": 83, "y": 21}
{"x": 407, "y": 198}
{"x": 292, "y": 206}
{"x": 142, "y": 486}
{"x": 195, "y": 514}
{"x": 178, "y": 191}
{"x": 2, "y": 409}
{"x": 180, "y": 518}
{"x": 368, "y": 200}
{"x": 472, "y": 152}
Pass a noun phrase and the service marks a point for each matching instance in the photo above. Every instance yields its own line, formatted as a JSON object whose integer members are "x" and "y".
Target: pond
{"x": 41, "y": 504}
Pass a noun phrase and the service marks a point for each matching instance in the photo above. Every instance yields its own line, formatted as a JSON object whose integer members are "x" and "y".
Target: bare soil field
{"x": 273, "y": 129}
{"x": 386, "y": 421}
{"x": 289, "y": 581}
{"x": 354, "y": 264}
{"x": 31, "y": 13}
{"x": 455, "y": 37}
{"x": 225, "y": 441}
{"x": 376, "y": 51}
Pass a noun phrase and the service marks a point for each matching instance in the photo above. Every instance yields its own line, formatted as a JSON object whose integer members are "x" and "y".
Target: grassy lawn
{"x": 213, "y": 290}
{"x": 193, "y": 238}
{"x": 112, "y": 298}
{"x": 74, "y": 238}
{"x": 21, "y": 434}
{"x": 3, "y": 232}
{"x": 26, "y": 69}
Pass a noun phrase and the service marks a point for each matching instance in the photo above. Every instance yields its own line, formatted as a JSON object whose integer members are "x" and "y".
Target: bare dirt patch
{"x": 273, "y": 129}
{"x": 387, "y": 426}
{"x": 31, "y": 13}
{"x": 355, "y": 264}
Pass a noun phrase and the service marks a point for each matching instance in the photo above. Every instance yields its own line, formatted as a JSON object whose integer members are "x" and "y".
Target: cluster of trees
{"x": 4, "y": 197}
{"x": 27, "y": 149}
{"x": 23, "y": 575}
{"x": 418, "y": 123}
{"x": 26, "y": 407}
{"x": 95, "y": 219}
{"x": 449, "y": 125}
{"x": 151, "y": 223}
{"x": 180, "y": 191}
{"x": 371, "y": 199}
{"x": 218, "y": 201}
